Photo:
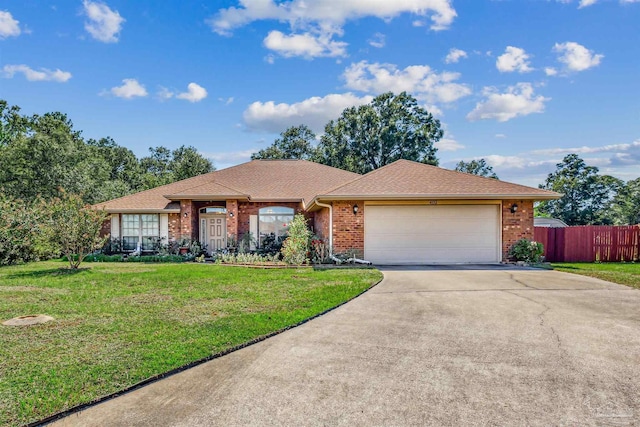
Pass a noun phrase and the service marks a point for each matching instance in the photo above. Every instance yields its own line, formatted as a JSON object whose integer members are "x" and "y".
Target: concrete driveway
{"x": 428, "y": 346}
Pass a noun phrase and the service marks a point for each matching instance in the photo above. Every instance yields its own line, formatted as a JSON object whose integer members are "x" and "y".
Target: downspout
{"x": 330, "y": 225}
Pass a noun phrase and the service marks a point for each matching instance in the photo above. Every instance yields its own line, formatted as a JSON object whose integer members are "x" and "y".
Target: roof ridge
{"x": 154, "y": 188}
{"x": 362, "y": 176}
{"x": 214, "y": 182}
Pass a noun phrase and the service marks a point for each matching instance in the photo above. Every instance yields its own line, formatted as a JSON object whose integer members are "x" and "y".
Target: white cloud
{"x": 130, "y": 89}
{"x": 513, "y": 59}
{"x": 634, "y": 146}
{"x": 40, "y": 75}
{"x": 585, "y": 3}
{"x": 500, "y": 135}
{"x": 226, "y": 101}
{"x": 455, "y": 55}
{"x": 576, "y": 57}
{"x": 518, "y": 100}
{"x": 164, "y": 94}
{"x": 104, "y": 24}
{"x": 9, "y": 27}
{"x": 315, "y": 112}
{"x": 306, "y": 45}
{"x": 378, "y": 40}
{"x": 329, "y": 13}
{"x": 194, "y": 93}
{"x": 419, "y": 80}
{"x": 448, "y": 144}
{"x": 550, "y": 71}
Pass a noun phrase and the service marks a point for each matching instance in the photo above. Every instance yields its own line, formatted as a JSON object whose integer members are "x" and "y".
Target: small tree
{"x": 75, "y": 228}
{"x": 21, "y": 237}
{"x": 295, "y": 248}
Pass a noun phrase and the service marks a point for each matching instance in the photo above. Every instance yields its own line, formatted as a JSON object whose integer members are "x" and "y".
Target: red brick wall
{"x": 105, "y": 230}
{"x": 348, "y": 229}
{"x": 188, "y": 219}
{"x": 174, "y": 226}
{"x": 321, "y": 223}
{"x": 232, "y": 221}
{"x": 516, "y": 226}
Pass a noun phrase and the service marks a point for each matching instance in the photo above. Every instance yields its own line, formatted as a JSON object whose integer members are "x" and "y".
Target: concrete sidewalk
{"x": 428, "y": 346}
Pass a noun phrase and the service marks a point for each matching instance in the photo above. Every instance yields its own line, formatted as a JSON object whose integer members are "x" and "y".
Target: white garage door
{"x": 426, "y": 234}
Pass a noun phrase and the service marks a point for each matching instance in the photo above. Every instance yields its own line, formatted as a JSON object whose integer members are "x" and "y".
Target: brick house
{"x": 402, "y": 213}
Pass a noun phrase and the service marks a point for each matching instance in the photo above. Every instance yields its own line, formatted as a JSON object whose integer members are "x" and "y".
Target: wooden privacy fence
{"x": 589, "y": 243}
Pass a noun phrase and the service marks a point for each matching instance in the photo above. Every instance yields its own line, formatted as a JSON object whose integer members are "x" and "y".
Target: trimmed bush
{"x": 527, "y": 251}
{"x": 295, "y": 250}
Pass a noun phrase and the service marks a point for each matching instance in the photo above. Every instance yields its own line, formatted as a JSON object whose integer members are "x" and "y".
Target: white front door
{"x": 213, "y": 231}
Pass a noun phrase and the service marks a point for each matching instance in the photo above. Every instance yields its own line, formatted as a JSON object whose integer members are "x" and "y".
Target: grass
{"x": 118, "y": 323}
{"x": 622, "y": 273}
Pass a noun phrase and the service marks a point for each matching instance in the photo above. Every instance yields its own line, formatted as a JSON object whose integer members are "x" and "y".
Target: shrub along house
{"x": 402, "y": 213}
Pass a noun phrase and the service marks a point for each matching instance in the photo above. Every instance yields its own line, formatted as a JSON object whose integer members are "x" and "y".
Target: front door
{"x": 214, "y": 232}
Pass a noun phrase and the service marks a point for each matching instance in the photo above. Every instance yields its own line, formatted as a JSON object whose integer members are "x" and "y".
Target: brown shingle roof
{"x": 265, "y": 180}
{"x": 405, "y": 179}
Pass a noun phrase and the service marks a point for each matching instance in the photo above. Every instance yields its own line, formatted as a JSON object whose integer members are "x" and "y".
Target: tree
{"x": 294, "y": 143}
{"x": 390, "y": 128}
{"x": 187, "y": 162}
{"x": 625, "y": 207}
{"x": 587, "y": 195}
{"x": 164, "y": 166}
{"x": 21, "y": 235}
{"x": 74, "y": 227}
{"x": 295, "y": 248}
{"x": 476, "y": 167}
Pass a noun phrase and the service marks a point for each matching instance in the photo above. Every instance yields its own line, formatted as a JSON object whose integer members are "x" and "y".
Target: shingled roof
{"x": 405, "y": 179}
{"x": 258, "y": 180}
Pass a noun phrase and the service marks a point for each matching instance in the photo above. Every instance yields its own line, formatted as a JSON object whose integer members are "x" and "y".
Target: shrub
{"x": 526, "y": 250}
{"x": 295, "y": 249}
{"x": 22, "y": 233}
{"x": 74, "y": 227}
{"x": 319, "y": 251}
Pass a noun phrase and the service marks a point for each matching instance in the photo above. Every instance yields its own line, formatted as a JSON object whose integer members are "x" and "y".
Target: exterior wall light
{"x": 231, "y": 214}
{"x": 355, "y": 209}
{"x": 186, "y": 214}
{"x": 514, "y": 208}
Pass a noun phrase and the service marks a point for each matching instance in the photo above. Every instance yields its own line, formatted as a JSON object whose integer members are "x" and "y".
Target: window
{"x": 213, "y": 210}
{"x": 274, "y": 221}
{"x": 143, "y": 229}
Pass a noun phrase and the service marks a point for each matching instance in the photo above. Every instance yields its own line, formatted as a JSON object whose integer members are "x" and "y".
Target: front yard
{"x": 117, "y": 324}
{"x": 622, "y": 273}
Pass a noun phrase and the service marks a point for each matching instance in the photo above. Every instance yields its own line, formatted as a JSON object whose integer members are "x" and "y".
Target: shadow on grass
{"x": 52, "y": 272}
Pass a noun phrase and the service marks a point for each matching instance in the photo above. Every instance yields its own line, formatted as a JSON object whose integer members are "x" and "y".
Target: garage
{"x": 432, "y": 234}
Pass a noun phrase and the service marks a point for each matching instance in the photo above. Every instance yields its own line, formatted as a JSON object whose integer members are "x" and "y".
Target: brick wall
{"x": 174, "y": 226}
{"x": 105, "y": 230}
{"x": 188, "y": 220}
{"x": 321, "y": 223}
{"x": 516, "y": 226}
{"x": 348, "y": 229}
{"x": 232, "y": 221}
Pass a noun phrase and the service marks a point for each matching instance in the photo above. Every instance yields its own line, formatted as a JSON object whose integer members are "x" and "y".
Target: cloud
{"x": 9, "y": 27}
{"x": 194, "y": 93}
{"x": 306, "y": 45}
{"x": 378, "y": 40}
{"x": 448, "y": 144}
{"x": 130, "y": 89}
{"x": 315, "y": 112}
{"x": 420, "y": 80}
{"x": 103, "y": 23}
{"x": 550, "y": 71}
{"x": 500, "y": 135}
{"x": 585, "y": 3}
{"x": 513, "y": 59}
{"x": 518, "y": 100}
{"x": 329, "y": 13}
{"x": 226, "y": 101}
{"x": 164, "y": 94}
{"x": 41, "y": 75}
{"x": 455, "y": 55}
{"x": 576, "y": 57}
{"x": 634, "y": 146}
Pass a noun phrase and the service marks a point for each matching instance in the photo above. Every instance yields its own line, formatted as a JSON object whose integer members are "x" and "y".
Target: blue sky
{"x": 520, "y": 83}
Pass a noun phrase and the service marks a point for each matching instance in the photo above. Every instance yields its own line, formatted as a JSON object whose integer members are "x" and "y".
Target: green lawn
{"x": 623, "y": 273}
{"x": 117, "y": 324}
